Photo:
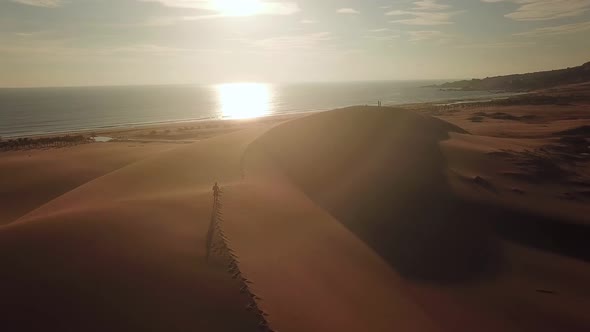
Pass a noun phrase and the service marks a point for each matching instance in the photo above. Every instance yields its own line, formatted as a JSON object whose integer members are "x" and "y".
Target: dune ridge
{"x": 133, "y": 243}
{"x": 386, "y": 175}
{"x": 39, "y": 176}
{"x": 350, "y": 220}
{"x": 378, "y": 184}
{"x": 220, "y": 252}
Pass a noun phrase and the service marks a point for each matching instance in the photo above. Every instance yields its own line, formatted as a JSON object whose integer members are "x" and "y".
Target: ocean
{"x": 38, "y": 111}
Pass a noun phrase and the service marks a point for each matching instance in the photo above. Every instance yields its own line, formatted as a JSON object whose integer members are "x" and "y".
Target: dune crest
{"x": 382, "y": 174}
{"x": 350, "y": 220}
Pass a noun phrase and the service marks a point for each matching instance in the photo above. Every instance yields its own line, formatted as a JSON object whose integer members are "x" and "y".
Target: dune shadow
{"x": 381, "y": 173}
{"x": 428, "y": 235}
{"x": 541, "y": 232}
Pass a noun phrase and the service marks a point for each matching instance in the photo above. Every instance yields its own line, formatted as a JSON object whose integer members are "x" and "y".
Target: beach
{"x": 418, "y": 217}
{"x": 42, "y": 111}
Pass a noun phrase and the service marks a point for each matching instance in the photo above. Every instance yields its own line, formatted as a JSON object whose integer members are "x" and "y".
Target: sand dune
{"x": 126, "y": 251}
{"x": 408, "y": 187}
{"x": 311, "y": 273}
{"x": 389, "y": 187}
{"x": 37, "y": 176}
{"x": 360, "y": 219}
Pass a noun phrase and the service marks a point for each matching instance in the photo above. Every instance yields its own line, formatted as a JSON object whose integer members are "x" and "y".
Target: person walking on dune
{"x": 216, "y": 191}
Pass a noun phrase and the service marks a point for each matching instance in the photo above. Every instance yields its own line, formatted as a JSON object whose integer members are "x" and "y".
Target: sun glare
{"x": 238, "y": 7}
{"x": 244, "y": 100}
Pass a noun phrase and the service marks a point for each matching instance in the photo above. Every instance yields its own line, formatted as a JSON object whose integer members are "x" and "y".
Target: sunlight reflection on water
{"x": 244, "y": 100}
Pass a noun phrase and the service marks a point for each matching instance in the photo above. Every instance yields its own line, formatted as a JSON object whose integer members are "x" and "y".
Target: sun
{"x": 244, "y": 100}
{"x": 238, "y": 7}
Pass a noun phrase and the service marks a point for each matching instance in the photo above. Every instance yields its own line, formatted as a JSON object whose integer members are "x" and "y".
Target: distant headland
{"x": 523, "y": 82}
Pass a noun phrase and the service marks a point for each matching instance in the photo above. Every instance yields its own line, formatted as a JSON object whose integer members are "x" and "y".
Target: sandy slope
{"x": 126, "y": 251}
{"x": 33, "y": 177}
{"x": 311, "y": 273}
{"x": 408, "y": 186}
{"x": 470, "y": 156}
{"x": 361, "y": 219}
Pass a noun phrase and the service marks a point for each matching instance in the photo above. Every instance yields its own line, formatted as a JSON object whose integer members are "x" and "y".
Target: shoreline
{"x": 516, "y": 177}
{"x": 100, "y": 131}
{"x": 182, "y": 132}
{"x": 117, "y": 128}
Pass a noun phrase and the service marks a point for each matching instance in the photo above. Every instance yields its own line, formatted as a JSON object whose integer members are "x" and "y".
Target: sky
{"x": 122, "y": 42}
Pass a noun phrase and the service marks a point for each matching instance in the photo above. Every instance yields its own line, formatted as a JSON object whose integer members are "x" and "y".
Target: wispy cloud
{"x": 498, "y": 45}
{"x": 382, "y": 34}
{"x": 224, "y": 8}
{"x": 425, "y": 12}
{"x": 429, "y": 35}
{"x": 145, "y": 49}
{"x": 423, "y": 18}
{"x": 383, "y": 37}
{"x": 347, "y": 11}
{"x": 540, "y": 10}
{"x": 40, "y": 3}
{"x": 59, "y": 49}
{"x": 379, "y": 30}
{"x": 36, "y": 34}
{"x": 429, "y": 5}
{"x": 556, "y": 30}
{"x": 306, "y": 21}
{"x": 305, "y": 41}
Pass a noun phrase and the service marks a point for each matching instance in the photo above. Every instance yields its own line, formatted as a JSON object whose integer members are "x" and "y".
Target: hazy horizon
{"x": 69, "y": 43}
{"x": 213, "y": 84}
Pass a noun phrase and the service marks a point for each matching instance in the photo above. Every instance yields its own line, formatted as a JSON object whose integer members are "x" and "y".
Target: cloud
{"x": 434, "y": 36}
{"x": 382, "y": 34}
{"x": 144, "y": 49}
{"x": 308, "y": 21}
{"x": 225, "y": 8}
{"x": 383, "y": 37}
{"x": 423, "y": 18}
{"x": 424, "y": 12}
{"x": 40, "y": 3}
{"x": 38, "y": 33}
{"x": 541, "y": 10}
{"x": 301, "y": 42}
{"x": 424, "y": 35}
{"x": 429, "y": 5}
{"x": 499, "y": 45}
{"x": 347, "y": 11}
{"x": 52, "y": 49}
{"x": 556, "y": 30}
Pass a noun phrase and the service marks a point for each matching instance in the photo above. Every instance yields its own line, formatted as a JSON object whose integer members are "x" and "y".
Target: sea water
{"x": 36, "y": 111}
